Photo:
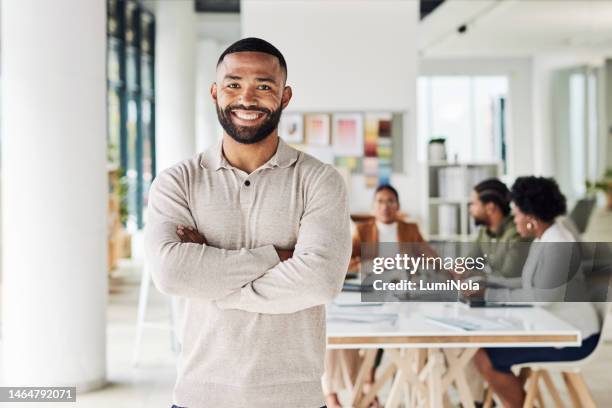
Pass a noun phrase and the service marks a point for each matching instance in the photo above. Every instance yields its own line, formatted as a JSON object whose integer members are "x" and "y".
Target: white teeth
{"x": 246, "y": 116}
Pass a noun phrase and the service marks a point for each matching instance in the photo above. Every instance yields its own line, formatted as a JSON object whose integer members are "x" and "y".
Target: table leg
{"x": 378, "y": 384}
{"x": 456, "y": 361}
{"x": 393, "y": 398}
{"x": 362, "y": 375}
{"x": 435, "y": 361}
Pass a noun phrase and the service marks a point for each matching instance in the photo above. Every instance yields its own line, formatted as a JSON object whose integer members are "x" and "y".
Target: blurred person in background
{"x": 388, "y": 229}
{"x": 538, "y": 204}
{"x": 497, "y": 237}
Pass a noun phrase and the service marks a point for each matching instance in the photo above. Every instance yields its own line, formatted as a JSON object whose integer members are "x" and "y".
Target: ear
{"x": 213, "y": 91}
{"x": 287, "y": 94}
{"x": 490, "y": 207}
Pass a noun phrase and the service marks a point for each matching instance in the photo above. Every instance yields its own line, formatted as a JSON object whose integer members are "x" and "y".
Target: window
{"x": 131, "y": 102}
{"x": 468, "y": 112}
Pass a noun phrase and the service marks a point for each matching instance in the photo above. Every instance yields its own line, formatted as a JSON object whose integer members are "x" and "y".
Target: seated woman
{"x": 545, "y": 277}
{"x": 385, "y": 228}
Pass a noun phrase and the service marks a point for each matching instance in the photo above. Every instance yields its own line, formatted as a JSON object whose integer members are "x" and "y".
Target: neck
{"x": 541, "y": 228}
{"x": 495, "y": 222}
{"x": 249, "y": 157}
{"x": 386, "y": 222}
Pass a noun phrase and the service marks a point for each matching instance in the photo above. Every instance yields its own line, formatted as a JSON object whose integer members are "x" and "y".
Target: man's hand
{"x": 284, "y": 254}
{"x": 190, "y": 235}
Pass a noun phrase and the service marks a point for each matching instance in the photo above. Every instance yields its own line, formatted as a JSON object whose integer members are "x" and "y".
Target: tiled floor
{"x": 150, "y": 383}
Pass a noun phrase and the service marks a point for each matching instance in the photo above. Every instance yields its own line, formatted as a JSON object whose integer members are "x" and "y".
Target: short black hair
{"x": 494, "y": 191}
{"x": 539, "y": 197}
{"x": 253, "y": 44}
{"x": 387, "y": 187}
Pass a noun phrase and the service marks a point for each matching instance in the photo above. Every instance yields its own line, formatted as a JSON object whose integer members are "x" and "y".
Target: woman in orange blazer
{"x": 384, "y": 227}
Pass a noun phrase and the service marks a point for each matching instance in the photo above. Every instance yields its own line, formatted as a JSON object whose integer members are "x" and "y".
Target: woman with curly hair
{"x": 552, "y": 264}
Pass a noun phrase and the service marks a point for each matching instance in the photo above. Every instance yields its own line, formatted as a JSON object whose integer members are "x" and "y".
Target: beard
{"x": 478, "y": 221}
{"x": 248, "y": 134}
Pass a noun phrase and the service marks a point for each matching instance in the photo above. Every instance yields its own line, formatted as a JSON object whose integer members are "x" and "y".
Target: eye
{"x": 264, "y": 87}
{"x": 233, "y": 85}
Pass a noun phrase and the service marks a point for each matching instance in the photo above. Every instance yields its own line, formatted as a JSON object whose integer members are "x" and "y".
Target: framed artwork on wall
{"x": 291, "y": 128}
{"x": 317, "y": 126}
{"x": 347, "y": 134}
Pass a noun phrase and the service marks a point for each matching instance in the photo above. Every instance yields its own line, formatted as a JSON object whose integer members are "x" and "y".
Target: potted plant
{"x": 604, "y": 185}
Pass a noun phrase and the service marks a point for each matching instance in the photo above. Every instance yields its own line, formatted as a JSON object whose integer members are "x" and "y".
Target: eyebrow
{"x": 267, "y": 79}
{"x": 261, "y": 79}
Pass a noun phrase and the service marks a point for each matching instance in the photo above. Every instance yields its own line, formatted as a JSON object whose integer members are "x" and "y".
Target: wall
{"x": 208, "y": 129}
{"x": 215, "y": 32}
{"x": 544, "y": 67}
{"x": 349, "y": 55}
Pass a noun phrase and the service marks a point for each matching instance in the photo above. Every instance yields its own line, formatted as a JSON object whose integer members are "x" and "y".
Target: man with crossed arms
{"x": 255, "y": 237}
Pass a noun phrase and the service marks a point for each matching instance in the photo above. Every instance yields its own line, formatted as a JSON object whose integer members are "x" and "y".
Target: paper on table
{"x": 362, "y": 317}
{"x": 471, "y": 323}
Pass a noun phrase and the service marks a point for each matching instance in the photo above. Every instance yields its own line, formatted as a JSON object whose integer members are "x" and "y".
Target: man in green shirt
{"x": 497, "y": 236}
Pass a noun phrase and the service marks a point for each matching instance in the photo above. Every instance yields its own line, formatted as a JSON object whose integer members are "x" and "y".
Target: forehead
{"x": 385, "y": 194}
{"x": 247, "y": 63}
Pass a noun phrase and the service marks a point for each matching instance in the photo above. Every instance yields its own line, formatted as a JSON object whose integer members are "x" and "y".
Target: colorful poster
{"x": 317, "y": 129}
{"x": 291, "y": 128}
{"x": 370, "y": 171}
{"x": 378, "y": 145}
{"x": 347, "y": 134}
{"x": 384, "y": 171}
{"x": 352, "y": 164}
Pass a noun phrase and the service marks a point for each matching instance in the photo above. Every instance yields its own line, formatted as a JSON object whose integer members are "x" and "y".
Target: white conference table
{"x": 428, "y": 357}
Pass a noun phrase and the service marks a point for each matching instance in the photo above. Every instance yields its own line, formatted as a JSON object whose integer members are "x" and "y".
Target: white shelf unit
{"x": 448, "y": 190}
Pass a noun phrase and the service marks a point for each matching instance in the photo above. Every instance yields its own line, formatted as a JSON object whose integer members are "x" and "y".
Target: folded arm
{"x": 556, "y": 264}
{"x": 314, "y": 274}
{"x": 193, "y": 269}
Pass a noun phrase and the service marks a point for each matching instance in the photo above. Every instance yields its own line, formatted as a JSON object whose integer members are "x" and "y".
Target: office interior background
{"x": 99, "y": 97}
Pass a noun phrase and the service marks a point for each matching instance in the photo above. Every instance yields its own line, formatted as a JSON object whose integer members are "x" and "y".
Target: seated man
{"x": 497, "y": 236}
{"x": 384, "y": 228}
{"x": 506, "y": 251}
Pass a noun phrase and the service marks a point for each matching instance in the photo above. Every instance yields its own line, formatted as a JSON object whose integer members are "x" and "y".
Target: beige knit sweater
{"x": 253, "y": 328}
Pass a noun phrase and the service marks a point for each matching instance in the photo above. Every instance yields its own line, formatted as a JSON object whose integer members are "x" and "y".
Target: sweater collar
{"x": 284, "y": 156}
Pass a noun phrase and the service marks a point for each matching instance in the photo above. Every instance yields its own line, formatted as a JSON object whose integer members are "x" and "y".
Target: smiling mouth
{"x": 247, "y": 115}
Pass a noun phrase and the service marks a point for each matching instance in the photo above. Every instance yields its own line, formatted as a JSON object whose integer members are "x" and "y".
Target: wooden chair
{"x": 539, "y": 372}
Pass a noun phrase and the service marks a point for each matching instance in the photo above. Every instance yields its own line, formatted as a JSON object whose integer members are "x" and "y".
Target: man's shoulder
{"x": 510, "y": 234}
{"x": 315, "y": 170}
{"x": 182, "y": 171}
{"x": 481, "y": 234}
{"x": 307, "y": 161}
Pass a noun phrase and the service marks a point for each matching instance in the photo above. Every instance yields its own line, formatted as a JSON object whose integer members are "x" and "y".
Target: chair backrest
{"x": 603, "y": 312}
{"x": 581, "y": 213}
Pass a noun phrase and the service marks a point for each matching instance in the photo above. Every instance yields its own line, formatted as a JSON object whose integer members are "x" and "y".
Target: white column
{"x": 54, "y": 193}
{"x": 175, "y": 59}
{"x": 208, "y": 129}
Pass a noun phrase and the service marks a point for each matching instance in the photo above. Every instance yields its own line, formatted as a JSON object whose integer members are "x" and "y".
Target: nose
{"x": 248, "y": 97}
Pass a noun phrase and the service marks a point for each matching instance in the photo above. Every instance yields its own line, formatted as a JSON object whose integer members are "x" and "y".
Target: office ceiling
{"x": 217, "y": 6}
{"x": 515, "y": 27}
{"x": 428, "y": 6}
